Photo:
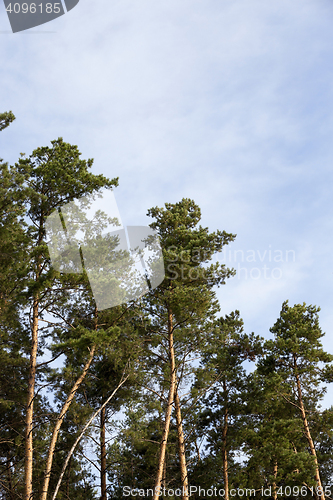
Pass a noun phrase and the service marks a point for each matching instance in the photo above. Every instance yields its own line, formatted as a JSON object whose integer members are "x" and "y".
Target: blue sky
{"x": 226, "y": 102}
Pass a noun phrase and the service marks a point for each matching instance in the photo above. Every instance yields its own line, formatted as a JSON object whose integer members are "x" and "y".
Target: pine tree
{"x": 12, "y": 236}
{"x": 116, "y": 353}
{"x": 276, "y": 453}
{"x": 52, "y": 176}
{"x": 301, "y": 365}
{"x": 222, "y": 413}
{"x": 179, "y": 311}
{"x": 13, "y": 337}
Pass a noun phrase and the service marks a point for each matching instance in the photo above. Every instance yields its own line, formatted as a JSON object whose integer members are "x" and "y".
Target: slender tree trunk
{"x": 30, "y": 402}
{"x": 171, "y": 395}
{"x": 103, "y": 455}
{"x": 59, "y": 421}
{"x": 307, "y": 429}
{"x": 275, "y": 471}
{"x": 163, "y": 483}
{"x": 78, "y": 439}
{"x": 28, "y": 459}
{"x": 224, "y": 447}
{"x": 198, "y": 451}
{"x": 68, "y": 477}
{"x": 68, "y": 402}
{"x": 181, "y": 448}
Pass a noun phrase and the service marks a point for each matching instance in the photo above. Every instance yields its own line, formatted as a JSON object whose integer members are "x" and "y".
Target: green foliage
{"x": 6, "y": 119}
{"x": 238, "y": 418}
{"x": 223, "y": 414}
{"x": 132, "y": 457}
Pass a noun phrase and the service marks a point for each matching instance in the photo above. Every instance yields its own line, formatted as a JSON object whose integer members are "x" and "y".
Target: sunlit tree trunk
{"x": 275, "y": 471}
{"x": 225, "y": 454}
{"x": 181, "y": 449}
{"x": 31, "y": 393}
{"x": 307, "y": 429}
{"x": 171, "y": 395}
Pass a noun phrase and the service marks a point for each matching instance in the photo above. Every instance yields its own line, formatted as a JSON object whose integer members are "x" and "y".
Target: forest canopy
{"x": 159, "y": 396}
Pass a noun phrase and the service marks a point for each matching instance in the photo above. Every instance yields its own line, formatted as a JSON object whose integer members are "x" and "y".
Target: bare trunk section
{"x": 172, "y": 389}
{"x": 224, "y": 447}
{"x": 181, "y": 448}
{"x": 163, "y": 484}
{"x": 30, "y": 403}
{"x": 60, "y": 419}
{"x": 68, "y": 477}
{"x": 28, "y": 456}
{"x": 307, "y": 429}
{"x": 103, "y": 455}
{"x": 78, "y": 439}
{"x": 68, "y": 402}
{"x": 275, "y": 471}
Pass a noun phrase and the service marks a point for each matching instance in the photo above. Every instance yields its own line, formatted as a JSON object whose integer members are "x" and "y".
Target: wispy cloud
{"x": 227, "y": 102}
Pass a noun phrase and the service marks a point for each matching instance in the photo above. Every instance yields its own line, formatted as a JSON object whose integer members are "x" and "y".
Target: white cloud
{"x": 227, "y": 102}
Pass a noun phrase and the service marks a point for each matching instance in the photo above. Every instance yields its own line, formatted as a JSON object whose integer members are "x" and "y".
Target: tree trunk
{"x": 68, "y": 477}
{"x": 28, "y": 458}
{"x": 30, "y": 402}
{"x": 78, "y": 439}
{"x": 224, "y": 448}
{"x": 181, "y": 449}
{"x": 68, "y": 402}
{"x": 307, "y": 429}
{"x": 275, "y": 471}
{"x": 163, "y": 483}
{"x": 171, "y": 395}
{"x": 103, "y": 455}
{"x": 59, "y": 421}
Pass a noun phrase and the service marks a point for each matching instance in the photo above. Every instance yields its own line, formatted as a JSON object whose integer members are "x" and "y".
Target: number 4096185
{"x": 25, "y": 8}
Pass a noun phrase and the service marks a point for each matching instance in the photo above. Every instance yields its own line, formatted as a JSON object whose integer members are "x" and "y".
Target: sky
{"x": 229, "y": 103}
